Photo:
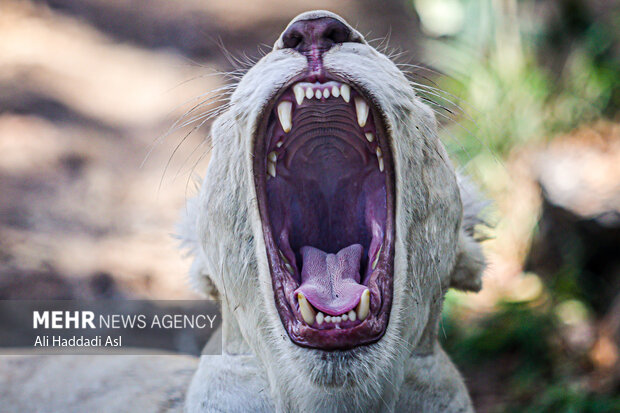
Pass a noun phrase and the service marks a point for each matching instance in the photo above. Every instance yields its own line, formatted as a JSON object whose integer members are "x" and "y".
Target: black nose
{"x": 315, "y": 36}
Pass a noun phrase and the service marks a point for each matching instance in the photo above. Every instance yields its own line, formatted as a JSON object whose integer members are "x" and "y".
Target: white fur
{"x": 262, "y": 369}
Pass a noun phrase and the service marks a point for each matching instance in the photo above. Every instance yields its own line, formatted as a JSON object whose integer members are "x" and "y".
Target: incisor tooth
{"x": 363, "y": 308}
{"x": 352, "y": 315}
{"x": 309, "y": 93}
{"x": 298, "y": 90}
{"x": 320, "y": 318}
{"x": 279, "y": 144}
{"x": 345, "y": 91}
{"x": 325, "y": 93}
{"x": 369, "y": 136}
{"x": 361, "y": 108}
{"x": 318, "y": 94}
{"x": 273, "y": 156}
{"x": 328, "y": 319}
{"x": 307, "y": 313}
{"x": 337, "y": 319}
{"x": 284, "y": 114}
{"x": 335, "y": 91}
{"x": 271, "y": 169}
{"x": 345, "y": 317}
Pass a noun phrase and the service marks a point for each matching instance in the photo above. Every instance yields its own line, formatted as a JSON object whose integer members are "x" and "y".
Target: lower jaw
{"x": 370, "y": 330}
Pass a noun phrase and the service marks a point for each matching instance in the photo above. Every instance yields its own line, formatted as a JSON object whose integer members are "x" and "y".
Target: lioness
{"x": 331, "y": 223}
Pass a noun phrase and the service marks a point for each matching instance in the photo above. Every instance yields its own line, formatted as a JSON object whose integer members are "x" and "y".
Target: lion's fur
{"x": 262, "y": 369}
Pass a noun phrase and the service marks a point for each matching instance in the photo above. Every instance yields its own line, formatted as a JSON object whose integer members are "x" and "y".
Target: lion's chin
{"x": 325, "y": 187}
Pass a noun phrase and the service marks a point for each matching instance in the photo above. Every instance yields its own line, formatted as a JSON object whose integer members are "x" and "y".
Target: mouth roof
{"x": 324, "y": 184}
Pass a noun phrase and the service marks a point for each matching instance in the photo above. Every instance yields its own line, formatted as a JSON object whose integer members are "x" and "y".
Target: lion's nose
{"x": 314, "y": 37}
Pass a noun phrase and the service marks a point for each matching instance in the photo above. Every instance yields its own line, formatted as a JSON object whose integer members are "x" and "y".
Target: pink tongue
{"x": 331, "y": 281}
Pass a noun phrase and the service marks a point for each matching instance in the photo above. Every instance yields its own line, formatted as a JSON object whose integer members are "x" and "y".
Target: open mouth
{"x": 324, "y": 179}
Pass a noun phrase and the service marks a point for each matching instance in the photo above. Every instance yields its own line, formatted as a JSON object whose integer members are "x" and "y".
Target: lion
{"x": 330, "y": 223}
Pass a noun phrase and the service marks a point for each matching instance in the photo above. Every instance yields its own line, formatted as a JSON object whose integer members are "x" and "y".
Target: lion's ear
{"x": 470, "y": 262}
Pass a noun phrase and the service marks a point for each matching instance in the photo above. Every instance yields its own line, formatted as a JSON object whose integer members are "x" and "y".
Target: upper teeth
{"x": 345, "y": 91}
{"x": 271, "y": 169}
{"x": 380, "y": 158}
{"x": 299, "y": 92}
{"x": 284, "y": 114}
{"x": 361, "y": 108}
{"x": 321, "y": 91}
{"x": 305, "y": 90}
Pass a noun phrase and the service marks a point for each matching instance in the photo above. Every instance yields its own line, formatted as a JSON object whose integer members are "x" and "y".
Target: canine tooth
{"x": 325, "y": 93}
{"x": 284, "y": 114}
{"x": 361, "y": 108}
{"x": 337, "y": 319}
{"x": 309, "y": 93}
{"x": 363, "y": 308}
{"x": 273, "y": 156}
{"x": 307, "y": 313}
{"x": 335, "y": 91}
{"x": 352, "y": 315}
{"x": 318, "y": 94}
{"x": 271, "y": 169}
{"x": 344, "y": 317}
{"x": 369, "y": 136}
{"x": 345, "y": 91}
{"x": 328, "y": 319}
{"x": 380, "y": 159}
{"x": 298, "y": 90}
{"x": 381, "y": 164}
{"x": 320, "y": 318}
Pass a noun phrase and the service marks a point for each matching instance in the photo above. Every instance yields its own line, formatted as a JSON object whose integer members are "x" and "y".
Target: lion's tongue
{"x": 330, "y": 282}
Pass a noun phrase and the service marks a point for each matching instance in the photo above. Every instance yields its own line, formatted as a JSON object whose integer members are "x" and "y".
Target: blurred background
{"x": 94, "y": 171}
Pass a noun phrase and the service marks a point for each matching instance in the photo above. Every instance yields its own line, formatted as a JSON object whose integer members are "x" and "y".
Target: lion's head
{"x": 331, "y": 220}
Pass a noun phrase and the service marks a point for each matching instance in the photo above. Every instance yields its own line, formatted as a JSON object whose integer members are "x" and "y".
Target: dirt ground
{"x": 90, "y": 188}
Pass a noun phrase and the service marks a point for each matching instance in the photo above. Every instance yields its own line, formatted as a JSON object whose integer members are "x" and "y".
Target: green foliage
{"x": 522, "y": 81}
{"x": 520, "y": 72}
{"x": 519, "y": 342}
{"x": 515, "y": 329}
{"x": 562, "y": 398}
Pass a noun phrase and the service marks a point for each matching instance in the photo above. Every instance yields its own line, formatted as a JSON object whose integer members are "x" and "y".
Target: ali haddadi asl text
{"x": 77, "y": 341}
